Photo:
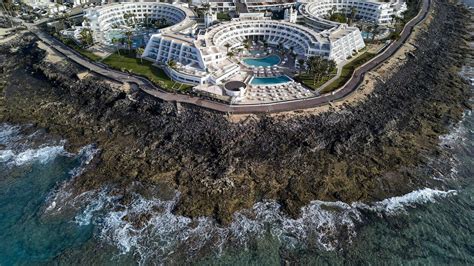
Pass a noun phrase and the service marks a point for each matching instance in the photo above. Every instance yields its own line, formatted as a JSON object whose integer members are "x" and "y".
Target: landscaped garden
{"x": 316, "y": 72}
{"x": 79, "y": 49}
{"x": 127, "y": 61}
{"x": 347, "y": 71}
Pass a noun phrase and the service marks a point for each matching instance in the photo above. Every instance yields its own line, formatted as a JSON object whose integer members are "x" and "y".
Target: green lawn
{"x": 307, "y": 79}
{"x": 347, "y": 71}
{"x": 127, "y": 61}
{"x": 87, "y": 54}
{"x": 80, "y": 50}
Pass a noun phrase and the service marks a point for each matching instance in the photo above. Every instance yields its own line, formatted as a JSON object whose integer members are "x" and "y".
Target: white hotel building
{"x": 201, "y": 53}
{"x": 369, "y": 10}
{"x": 202, "y": 57}
{"x": 250, "y": 5}
{"x": 104, "y": 18}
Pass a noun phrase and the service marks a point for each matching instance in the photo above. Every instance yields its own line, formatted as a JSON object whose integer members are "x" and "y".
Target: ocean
{"x": 41, "y": 222}
{"x": 426, "y": 226}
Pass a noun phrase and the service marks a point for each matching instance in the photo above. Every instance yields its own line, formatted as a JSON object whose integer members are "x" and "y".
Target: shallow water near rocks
{"x": 424, "y": 226}
{"x": 28, "y": 175}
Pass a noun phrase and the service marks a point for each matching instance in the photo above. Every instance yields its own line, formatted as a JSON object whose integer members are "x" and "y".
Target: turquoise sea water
{"x": 30, "y": 172}
{"x": 427, "y": 226}
{"x": 263, "y": 62}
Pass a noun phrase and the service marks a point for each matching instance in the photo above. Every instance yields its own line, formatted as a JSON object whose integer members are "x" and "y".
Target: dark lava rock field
{"x": 370, "y": 151}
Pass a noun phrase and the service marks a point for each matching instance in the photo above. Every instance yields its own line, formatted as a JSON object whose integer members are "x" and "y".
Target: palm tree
{"x": 315, "y": 66}
{"x": 146, "y": 19}
{"x": 227, "y": 45}
{"x": 129, "y": 35}
{"x": 353, "y": 14}
{"x": 369, "y": 29}
{"x": 230, "y": 54}
{"x": 280, "y": 45}
{"x": 126, "y": 16}
{"x": 129, "y": 43}
{"x": 115, "y": 41}
{"x": 85, "y": 36}
{"x": 171, "y": 63}
{"x": 375, "y": 30}
{"x": 332, "y": 11}
{"x": 62, "y": 22}
{"x": 248, "y": 43}
{"x": 301, "y": 64}
{"x": 331, "y": 66}
{"x": 140, "y": 52}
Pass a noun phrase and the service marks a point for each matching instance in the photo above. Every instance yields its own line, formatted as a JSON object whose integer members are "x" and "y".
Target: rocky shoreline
{"x": 367, "y": 151}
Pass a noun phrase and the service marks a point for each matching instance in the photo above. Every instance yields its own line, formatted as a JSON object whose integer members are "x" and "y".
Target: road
{"x": 146, "y": 86}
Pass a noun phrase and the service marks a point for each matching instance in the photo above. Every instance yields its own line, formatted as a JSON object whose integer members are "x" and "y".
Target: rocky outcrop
{"x": 369, "y": 151}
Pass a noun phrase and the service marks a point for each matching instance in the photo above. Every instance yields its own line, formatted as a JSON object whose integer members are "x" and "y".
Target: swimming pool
{"x": 257, "y": 52}
{"x": 138, "y": 40}
{"x": 366, "y": 35}
{"x": 270, "y": 80}
{"x": 264, "y": 62}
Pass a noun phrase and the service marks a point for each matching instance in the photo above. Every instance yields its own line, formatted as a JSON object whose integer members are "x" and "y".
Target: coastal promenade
{"x": 146, "y": 86}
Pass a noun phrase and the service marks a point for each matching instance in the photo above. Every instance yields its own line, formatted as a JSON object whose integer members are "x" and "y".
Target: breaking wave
{"x": 8, "y": 132}
{"x": 17, "y": 153}
{"x": 41, "y": 155}
{"x": 458, "y": 134}
{"x": 63, "y": 191}
{"x": 148, "y": 228}
{"x": 397, "y": 205}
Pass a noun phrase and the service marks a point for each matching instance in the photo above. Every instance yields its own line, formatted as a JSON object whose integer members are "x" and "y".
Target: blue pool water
{"x": 270, "y": 80}
{"x": 366, "y": 35}
{"x": 264, "y": 62}
{"x": 256, "y": 52}
{"x": 138, "y": 40}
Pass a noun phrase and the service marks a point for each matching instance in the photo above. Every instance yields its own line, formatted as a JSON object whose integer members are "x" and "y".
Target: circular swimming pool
{"x": 263, "y": 62}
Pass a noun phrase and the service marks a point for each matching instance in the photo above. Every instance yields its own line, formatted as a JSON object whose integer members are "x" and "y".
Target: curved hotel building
{"x": 202, "y": 54}
{"x": 102, "y": 19}
{"x": 369, "y": 10}
{"x": 203, "y": 59}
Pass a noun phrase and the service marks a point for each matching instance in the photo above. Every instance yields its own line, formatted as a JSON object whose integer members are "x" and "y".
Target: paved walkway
{"x": 146, "y": 86}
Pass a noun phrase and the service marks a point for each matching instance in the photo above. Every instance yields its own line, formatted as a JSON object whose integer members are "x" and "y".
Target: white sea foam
{"x": 6, "y": 155}
{"x": 7, "y": 132}
{"x": 41, "y": 155}
{"x": 459, "y": 138}
{"x": 62, "y": 193}
{"x": 85, "y": 218}
{"x": 396, "y": 205}
{"x": 457, "y": 135}
{"x": 159, "y": 233}
{"x": 86, "y": 154}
